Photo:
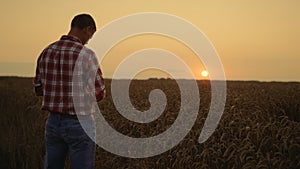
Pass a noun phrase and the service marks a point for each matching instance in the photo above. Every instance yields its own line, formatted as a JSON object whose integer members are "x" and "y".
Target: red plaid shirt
{"x": 68, "y": 77}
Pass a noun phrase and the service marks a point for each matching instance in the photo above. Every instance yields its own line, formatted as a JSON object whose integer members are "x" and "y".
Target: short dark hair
{"x": 82, "y": 21}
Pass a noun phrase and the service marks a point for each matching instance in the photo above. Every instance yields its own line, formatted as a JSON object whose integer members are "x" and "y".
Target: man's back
{"x": 55, "y": 66}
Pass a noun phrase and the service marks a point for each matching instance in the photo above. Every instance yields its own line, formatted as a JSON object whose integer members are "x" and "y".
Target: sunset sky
{"x": 256, "y": 40}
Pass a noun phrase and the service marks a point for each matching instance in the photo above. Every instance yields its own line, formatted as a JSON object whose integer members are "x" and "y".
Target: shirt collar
{"x": 72, "y": 38}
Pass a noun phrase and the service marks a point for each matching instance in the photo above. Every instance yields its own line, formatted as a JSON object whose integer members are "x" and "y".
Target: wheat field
{"x": 260, "y": 127}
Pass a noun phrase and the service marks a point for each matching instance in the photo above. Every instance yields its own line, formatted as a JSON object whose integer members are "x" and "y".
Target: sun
{"x": 204, "y": 73}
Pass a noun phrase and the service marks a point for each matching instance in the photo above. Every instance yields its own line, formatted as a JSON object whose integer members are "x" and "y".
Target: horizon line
{"x": 158, "y": 78}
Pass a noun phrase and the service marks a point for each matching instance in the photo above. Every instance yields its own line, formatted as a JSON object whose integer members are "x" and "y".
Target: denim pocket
{"x": 51, "y": 131}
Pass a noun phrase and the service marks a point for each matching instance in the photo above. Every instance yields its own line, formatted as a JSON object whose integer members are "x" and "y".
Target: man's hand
{"x": 39, "y": 90}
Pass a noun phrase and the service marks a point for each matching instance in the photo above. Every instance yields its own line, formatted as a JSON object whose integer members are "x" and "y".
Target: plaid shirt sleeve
{"x": 37, "y": 82}
{"x": 95, "y": 80}
{"x": 100, "y": 91}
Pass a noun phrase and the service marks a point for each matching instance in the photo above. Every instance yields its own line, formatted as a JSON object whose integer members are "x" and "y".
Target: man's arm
{"x": 37, "y": 83}
{"x": 99, "y": 86}
{"x": 94, "y": 75}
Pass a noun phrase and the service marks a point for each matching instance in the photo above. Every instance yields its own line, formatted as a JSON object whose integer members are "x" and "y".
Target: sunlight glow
{"x": 204, "y": 73}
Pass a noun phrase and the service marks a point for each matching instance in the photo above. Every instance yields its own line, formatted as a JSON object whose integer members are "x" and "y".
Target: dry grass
{"x": 259, "y": 129}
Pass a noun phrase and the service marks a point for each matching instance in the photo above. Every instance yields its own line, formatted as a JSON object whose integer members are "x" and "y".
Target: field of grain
{"x": 260, "y": 127}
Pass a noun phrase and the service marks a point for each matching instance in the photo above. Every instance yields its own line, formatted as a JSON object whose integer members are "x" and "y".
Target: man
{"x": 58, "y": 66}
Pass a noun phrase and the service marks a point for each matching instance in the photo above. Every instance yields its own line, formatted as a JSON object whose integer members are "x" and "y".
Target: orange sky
{"x": 256, "y": 40}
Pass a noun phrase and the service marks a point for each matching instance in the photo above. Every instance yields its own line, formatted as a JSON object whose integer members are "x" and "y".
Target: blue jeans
{"x": 62, "y": 135}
